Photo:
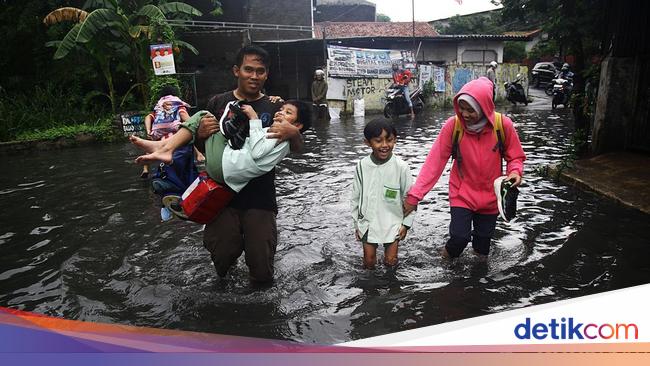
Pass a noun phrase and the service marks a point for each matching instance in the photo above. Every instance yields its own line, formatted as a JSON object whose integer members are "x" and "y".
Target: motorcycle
{"x": 396, "y": 103}
{"x": 515, "y": 91}
{"x": 558, "y": 75}
{"x": 561, "y": 92}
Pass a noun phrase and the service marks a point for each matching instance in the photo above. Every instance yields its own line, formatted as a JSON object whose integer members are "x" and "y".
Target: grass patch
{"x": 102, "y": 130}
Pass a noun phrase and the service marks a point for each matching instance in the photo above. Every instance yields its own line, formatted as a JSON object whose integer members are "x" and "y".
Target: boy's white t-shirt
{"x": 378, "y": 193}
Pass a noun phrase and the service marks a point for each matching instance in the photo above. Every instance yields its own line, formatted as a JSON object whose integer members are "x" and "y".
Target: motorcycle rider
{"x": 566, "y": 74}
{"x": 492, "y": 75}
{"x": 401, "y": 79}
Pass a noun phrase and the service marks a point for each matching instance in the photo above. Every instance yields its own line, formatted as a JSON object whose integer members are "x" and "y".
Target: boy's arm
{"x": 514, "y": 153}
{"x": 148, "y": 121}
{"x": 356, "y": 191}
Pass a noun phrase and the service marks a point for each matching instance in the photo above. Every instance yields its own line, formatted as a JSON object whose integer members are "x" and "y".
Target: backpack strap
{"x": 499, "y": 134}
{"x": 455, "y": 143}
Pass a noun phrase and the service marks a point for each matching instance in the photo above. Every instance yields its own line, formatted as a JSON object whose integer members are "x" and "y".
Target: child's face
{"x": 288, "y": 113}
{"x": 167, "y": 106}
{"x": 382, "y": 145}
{"x": 468, "y": 113}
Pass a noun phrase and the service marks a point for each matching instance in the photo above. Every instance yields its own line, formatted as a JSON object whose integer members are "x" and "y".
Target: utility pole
{"x": 413, "y": 12}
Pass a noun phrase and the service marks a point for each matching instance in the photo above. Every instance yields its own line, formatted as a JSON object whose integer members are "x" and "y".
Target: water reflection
{"x": 81, "y": 238}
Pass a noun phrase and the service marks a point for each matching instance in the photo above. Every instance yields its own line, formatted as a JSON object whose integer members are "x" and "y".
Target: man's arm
{"x": 285, "y": 131}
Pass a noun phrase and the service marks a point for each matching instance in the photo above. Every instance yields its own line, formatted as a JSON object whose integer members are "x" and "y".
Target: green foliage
{"x": 545, "y": 48}
{"x": 217, "y": 8}
{"x": 157, "y": 83}
{"x": 102, "y": 130}
{"x": 472, "y": 24}
{"x": 570, "y": 23}
{"x": 514, "y": 51}
{"x": 117, "y": 34}
{"x": 429, "y": 88}
{"x": 382, "y": 18}
{"x": 45, "y": 106}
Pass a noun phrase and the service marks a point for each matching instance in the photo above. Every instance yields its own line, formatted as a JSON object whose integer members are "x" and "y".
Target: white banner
{"x": 365, "y": 62}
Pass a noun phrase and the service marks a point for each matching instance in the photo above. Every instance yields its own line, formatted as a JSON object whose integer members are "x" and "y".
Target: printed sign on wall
{"x": 365, "y": 62}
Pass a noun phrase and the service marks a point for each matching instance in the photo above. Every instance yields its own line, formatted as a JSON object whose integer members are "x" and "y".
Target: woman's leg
{"x": 483, "y": 231}
{"x": 460, "y": 229}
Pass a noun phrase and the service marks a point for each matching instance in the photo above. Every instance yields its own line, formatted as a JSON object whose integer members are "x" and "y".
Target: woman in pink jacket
{"x": 476, "y": 165}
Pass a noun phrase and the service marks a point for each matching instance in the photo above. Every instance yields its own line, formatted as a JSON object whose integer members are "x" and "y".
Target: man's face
{"x": 251, "y": 75}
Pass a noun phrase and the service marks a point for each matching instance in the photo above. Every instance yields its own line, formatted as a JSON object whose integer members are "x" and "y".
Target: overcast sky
{"x": 425, "y": 10}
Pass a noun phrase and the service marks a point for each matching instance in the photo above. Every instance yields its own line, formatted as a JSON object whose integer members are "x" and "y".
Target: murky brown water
{"x": 80, "y": 237}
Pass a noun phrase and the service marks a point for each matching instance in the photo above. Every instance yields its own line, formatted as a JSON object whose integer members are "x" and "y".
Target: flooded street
{"x": 81, "y": 238}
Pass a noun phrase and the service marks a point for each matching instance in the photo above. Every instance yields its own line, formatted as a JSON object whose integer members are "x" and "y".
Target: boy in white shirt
{"x": 381, "y": 182}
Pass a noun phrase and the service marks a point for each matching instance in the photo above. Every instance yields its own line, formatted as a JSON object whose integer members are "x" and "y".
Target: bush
{"x": 102, "y": 130}
{"x": 157, "y": 83}
{"x": 42, "y": 108}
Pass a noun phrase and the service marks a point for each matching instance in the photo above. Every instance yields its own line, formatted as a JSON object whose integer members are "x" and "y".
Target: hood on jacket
{"x": 481, "y": 90}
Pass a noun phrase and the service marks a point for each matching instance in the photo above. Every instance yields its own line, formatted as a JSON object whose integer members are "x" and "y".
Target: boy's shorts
{"x": 364, "y": 240}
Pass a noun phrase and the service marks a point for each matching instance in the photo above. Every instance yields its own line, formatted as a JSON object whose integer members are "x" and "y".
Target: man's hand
{"x": 276, "y": 99}
{"x": 408, "y": 208}
{"x": 283, "y": 131}
{"x": 208, "y": 126}
{"x": 515, "y": 178}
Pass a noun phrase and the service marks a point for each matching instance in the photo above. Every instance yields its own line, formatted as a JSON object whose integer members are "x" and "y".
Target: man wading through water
{"x": 248, "y": 223}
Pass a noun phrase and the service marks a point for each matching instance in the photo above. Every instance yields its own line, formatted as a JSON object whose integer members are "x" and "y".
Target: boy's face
{"x": 468, "y": 113}
{"x": 382, "y": 145}
{"x": 251, "y": 75}
{"x": 288, "y": 113}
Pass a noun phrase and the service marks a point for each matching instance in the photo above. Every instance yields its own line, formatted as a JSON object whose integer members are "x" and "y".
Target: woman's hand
{"x": 408, "y": 208}
{"x": 515, "y": 178}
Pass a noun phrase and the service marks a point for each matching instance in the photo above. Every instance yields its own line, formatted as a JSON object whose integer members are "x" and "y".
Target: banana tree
{"x": 111, "y": 30}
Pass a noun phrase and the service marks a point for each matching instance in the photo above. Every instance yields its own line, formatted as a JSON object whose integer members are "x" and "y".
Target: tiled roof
{"x": 530, "y": 33}
{"x": 344, "y": 2}
{"x": 373, "y": 29}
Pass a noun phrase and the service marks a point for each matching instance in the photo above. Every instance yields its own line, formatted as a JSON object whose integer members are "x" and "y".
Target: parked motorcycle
{"x": 561, "y": 92}
{"x": 515, "y": 91}
{"x": 396, "y": 103}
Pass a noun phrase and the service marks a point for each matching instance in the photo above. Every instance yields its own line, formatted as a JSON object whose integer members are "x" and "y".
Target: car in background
{"x": 543, "y": 73}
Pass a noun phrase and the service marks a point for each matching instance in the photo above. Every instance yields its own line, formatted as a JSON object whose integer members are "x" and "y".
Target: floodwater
{"x": 81, "y": 238}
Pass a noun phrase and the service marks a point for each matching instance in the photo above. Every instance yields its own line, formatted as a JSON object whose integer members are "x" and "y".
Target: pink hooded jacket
{"x": 481, "y": 161}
